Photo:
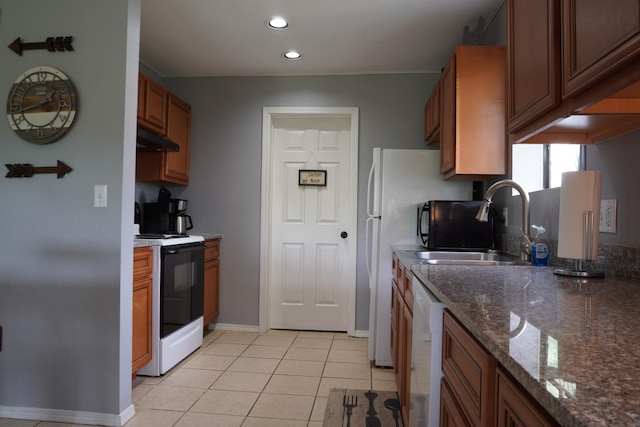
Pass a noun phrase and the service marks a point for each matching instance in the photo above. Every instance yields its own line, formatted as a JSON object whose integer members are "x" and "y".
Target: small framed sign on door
{"x": 312, "y": 177}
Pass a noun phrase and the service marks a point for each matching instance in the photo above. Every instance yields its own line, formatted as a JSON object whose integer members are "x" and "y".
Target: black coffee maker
{"x": 159, "y": 218}
{"x": 166, "y": 216}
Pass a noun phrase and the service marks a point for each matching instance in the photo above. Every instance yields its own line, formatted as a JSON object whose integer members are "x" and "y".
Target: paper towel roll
{"x": 580, "y": 192}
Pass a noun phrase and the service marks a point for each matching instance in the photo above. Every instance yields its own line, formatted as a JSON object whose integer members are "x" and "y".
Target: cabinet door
{"x": 451, "y": 414}
{"x": 405, "y": 381}
{"x": 141, "y": 344}
{"x": 153, "y": 111}
{"x": 141, "y": 95}
{"x": 515, "y": 408}
{"x": 211, "y": 281}
{"x": 396, "y": 351}
{"x": 142, "y": 308}
{"x": 211, "y": 290}
{"x": 470, "y": 370}
{"x": 448, "y": 117}
{"x": 176, "y": 167}
{"x": 432, "y": 117}
{"x": 598, "y": 37}
{"x": 434, "y": 111}
{"x": 533, "y": 60}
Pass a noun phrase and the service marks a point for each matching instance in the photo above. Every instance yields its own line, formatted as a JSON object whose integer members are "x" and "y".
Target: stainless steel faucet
{"x": 483, "y": 214}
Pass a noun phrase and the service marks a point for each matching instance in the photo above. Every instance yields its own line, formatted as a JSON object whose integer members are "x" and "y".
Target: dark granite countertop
{"x": 572, "y": 343}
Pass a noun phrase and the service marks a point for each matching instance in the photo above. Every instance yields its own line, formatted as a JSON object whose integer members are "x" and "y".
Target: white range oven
{"x": 178, "y": 299}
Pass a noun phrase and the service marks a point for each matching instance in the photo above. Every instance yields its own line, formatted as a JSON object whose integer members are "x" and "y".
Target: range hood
{"x": 151, "y": 141}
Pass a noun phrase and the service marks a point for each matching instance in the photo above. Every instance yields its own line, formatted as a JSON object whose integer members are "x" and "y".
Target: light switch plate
{"x": 608, "y": 216}
{"x": 99, "y": 196}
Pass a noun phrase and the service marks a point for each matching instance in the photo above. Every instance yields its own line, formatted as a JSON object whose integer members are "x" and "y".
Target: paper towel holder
{"x": 579, "y": 269}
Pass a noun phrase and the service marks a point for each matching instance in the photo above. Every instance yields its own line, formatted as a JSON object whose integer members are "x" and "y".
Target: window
{"x": 536, "y": 167}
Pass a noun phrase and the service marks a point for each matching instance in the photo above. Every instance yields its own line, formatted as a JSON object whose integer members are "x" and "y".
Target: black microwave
{"x": 452, "y": 224}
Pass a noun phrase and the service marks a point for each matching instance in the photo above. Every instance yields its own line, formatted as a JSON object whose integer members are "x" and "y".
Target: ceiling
{"x": 203, "y": 38}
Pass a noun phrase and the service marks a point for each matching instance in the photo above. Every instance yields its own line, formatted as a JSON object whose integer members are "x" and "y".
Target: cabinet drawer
{"x": 212, "y": 250}
{"x": 470, "y": 370}
{"x": 142, "y": 261}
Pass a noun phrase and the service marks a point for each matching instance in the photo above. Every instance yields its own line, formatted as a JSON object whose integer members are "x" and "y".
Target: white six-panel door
{"x": 312, "y": 256}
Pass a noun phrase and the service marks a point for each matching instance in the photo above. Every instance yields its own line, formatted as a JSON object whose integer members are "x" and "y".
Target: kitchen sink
{"x": 467, "y": 258}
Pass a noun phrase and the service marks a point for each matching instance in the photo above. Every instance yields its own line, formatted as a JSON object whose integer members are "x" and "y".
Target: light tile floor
{"x": 277, "y": 378}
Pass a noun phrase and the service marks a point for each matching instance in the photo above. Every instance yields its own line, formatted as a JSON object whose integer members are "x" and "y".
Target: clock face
{"x": 41, "y": 105}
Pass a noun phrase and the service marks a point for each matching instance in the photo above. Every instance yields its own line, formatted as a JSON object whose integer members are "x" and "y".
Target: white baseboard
{"x": 362, "y": 334}
{"x": 252, "y": 328}
{"x": 71, "y": 417}
{"x": 232, "y": 327}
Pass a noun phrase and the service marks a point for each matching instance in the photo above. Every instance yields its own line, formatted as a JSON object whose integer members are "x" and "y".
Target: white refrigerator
{"x": 398, "y": 181}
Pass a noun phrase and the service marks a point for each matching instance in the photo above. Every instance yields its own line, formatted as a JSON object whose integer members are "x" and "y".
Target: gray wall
{"x": 65, "y": 266}
{"x": 224, "y": 194}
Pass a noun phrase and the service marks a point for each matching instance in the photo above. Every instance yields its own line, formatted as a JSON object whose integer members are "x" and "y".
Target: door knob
{"x": 344, "y": 234}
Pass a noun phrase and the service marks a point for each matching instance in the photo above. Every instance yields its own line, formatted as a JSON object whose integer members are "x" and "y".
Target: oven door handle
{"x": 183, "y": 249}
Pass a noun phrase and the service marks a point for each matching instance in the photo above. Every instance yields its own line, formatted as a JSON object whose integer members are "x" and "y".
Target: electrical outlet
{"x": 608, "y": 215}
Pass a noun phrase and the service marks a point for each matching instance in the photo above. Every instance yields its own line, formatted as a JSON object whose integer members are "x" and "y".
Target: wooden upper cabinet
{"x": 573, "y": 70}
{"x": 432, "y": 117}
{"x": 152, "y": 105}
{"x": 176, "y": 166}
{"x": 598, "y": 38}
{"x": 533, "y": 59}
{"x": 165, "y": 166}
{"x": 472, "y": 116}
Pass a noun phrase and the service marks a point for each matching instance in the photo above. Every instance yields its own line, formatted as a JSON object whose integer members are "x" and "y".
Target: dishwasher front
{"x": 426, "y": 358}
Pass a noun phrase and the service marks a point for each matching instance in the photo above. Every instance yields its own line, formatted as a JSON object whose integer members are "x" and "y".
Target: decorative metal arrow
{"x": 52, "y": 44}
{"x": 27, "y": 170}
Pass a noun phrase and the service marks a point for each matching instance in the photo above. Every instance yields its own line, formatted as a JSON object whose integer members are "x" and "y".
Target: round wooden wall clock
{"x": 41, "y": 105}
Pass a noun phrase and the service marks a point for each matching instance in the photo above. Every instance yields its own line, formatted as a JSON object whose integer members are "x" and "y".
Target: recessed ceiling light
{"x": 292, "y": 55}
{"x": 277, "y": 23}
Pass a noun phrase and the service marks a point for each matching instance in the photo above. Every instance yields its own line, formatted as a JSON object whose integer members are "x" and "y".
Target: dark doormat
{"x": 362, "y": 408}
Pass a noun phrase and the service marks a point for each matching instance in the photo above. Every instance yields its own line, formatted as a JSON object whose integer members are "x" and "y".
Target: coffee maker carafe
{"x": 182, "y": 220}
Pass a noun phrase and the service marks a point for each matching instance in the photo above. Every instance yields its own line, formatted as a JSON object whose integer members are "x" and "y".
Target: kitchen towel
{"x": 580, "y": 192}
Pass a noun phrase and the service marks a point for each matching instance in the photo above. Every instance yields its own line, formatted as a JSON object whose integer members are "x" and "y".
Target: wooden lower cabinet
{"x": 402, "y": 333}
{"x": 476, "y": 391}
{"x": 451, "y": 414}
{"x": 211, "y": 281}
{"x": 142, "y": 308}
{"x": 406, "y": 338}
{"x": 516, "y": 408}
{"x": 470, "y": 371}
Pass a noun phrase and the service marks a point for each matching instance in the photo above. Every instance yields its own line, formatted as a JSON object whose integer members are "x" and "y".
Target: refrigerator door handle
{"x": 369, "y": 189}
{"x": 367, "y": 245}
